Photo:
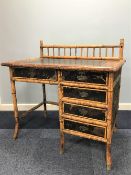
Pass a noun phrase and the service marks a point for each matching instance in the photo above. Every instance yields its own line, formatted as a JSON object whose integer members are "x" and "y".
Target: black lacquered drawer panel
{"x": 84, "y": 128}
{"x": 35, "y": 73}
{"x": 84, "y": 76}
{"x": 85, "y": 111}
{"x": 86, "y": 94}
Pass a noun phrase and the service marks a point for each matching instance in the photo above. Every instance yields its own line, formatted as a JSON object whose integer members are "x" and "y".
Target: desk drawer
{"x": 35, "y": 73}
{"x": 89, "y": 112}
{"x": 86, "y": 94}
{"x": 84, "y": 76}
{"x": 84, "y": 128}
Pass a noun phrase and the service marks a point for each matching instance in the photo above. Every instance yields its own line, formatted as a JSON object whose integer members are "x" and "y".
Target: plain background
{"x": 24, "y": 23}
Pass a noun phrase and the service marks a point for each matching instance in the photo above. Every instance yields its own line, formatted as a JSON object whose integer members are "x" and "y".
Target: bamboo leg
{"x": 108, "y": 156}
{"x": 108, "y": 146}
{"x": 13, "y": 89}
{"x": 44, "y": 100}
{"x": 60, "y": 115}
{"x": 61, "y": 138}
{"x": 109, "y": 123}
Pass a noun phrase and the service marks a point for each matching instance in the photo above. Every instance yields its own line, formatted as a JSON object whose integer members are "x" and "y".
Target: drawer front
{"x": 84, "y": 76}
{"x": 85, "y": 111}
{"x": 86, "y": 94}
{"x": 35, "y": 73}
{"x": 84, "y": 128}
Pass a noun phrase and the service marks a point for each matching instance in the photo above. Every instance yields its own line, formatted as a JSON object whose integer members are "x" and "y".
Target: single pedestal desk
{"x": 88, "y": 78}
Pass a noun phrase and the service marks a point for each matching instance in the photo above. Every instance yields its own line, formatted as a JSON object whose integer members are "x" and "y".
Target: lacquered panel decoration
{"x": 88, "y": 112}
{"x": 84, "y": 76}
{"x": 35, "y": 73}
{"x": 89, "y": 129}
{"x": 87, "y": 94}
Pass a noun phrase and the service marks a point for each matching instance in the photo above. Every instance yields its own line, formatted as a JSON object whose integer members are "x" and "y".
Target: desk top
{"x": 62, "y": 63}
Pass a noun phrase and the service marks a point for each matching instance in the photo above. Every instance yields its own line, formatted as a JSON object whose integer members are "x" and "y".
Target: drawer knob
{"x": 84, "y": 128}
{"x": 87, "y": 128}
{"x": 83, "y": 112}
{"x": 82, "y": 77}
{"x": 84, "y": 94}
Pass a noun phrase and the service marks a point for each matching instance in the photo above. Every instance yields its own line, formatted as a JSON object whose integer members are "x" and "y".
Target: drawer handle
{"x": 82, "y": 76}
{"x": 87, "y": 128}
{"x": 84, "y": 94}
{"x": 83, "y": 112}
{"x": 84, "y": 128}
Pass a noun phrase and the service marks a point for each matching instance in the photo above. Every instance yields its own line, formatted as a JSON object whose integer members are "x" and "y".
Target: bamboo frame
{"x": 88, "y": 136}
{"x": 37, "y": 106}
{"x": 60, "y": 114}
{"x": 81, "y": 47}
{"x": 16, "y": 115}
{"x": 32, "y": 109}
{"x": 121, "y": 48}
{"x": 109, "y": 119}
{"x": 84, "y": 102}
{"x": 81, "y": 57}
{"x": 84, "y": 85}
{"x": 86, "y": 88}
{"x": 84, "y": 120}
{"x": 108, "y": 88}
{"x": 34, "y": 80}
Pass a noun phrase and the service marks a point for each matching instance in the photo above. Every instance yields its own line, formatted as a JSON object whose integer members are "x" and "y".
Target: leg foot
{"x": 15, "y": 136}
{"x": 61, "y": 151}
{"x": 16, "y": 115}
{"x": 108, "y": 156}
{"x": 108, "y": 167}
{"x": 62, "y": 143}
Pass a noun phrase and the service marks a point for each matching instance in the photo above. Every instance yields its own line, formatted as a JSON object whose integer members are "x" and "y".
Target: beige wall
{"x": 24, "y": 22}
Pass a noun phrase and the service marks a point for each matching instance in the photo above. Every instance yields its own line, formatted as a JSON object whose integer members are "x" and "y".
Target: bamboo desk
{"x": 88, "y": 88}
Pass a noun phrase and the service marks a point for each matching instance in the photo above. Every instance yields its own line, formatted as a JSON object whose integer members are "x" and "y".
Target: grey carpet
{"x": 36, "y": 152}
